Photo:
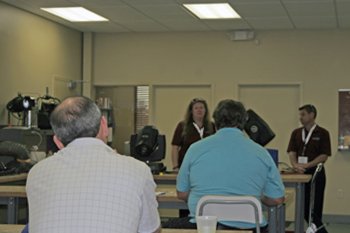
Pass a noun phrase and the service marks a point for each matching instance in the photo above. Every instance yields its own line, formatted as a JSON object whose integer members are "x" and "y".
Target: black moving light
{"x": 148, "y": 146}
{"x": 257, "y": 129}
{"x": 16, "y": 104}
{"x": 146, "y": 141}
{"x": 28, "y": 103}
{"x": 20, "y": 103}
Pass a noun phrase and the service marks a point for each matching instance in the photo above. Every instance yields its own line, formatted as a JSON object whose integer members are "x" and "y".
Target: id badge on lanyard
{"x": 303, "y": 159}
{"x": 200, "y": 131}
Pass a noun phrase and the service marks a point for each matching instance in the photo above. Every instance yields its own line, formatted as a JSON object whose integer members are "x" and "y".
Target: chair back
{"x": 231, "y": 208}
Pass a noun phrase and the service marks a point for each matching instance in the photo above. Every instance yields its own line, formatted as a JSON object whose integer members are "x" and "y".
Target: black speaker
{"x": 257, "y": 129}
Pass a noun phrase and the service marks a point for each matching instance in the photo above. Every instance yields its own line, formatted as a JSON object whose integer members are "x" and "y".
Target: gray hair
{"x": 75, "y": 117}
{"x": 230, "y": 113}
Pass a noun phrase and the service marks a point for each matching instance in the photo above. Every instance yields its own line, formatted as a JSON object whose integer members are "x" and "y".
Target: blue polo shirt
{"x": 228, "y": 163}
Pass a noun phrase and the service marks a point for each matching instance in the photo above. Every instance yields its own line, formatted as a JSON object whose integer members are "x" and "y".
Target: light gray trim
{"x": 334, "y": 218}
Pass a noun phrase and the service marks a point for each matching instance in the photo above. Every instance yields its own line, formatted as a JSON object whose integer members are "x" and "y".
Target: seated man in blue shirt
{"x": 227, "y": 163}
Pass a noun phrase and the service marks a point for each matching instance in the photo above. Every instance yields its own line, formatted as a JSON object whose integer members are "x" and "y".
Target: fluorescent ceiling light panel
{"x": 213, "y": 11}
{"x": 75, "y": 14}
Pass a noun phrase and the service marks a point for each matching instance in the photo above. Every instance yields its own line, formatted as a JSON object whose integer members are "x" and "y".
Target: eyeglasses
{"x": 197, "y": 100}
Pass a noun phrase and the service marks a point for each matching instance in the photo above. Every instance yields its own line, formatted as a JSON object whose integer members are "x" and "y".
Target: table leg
{"x": 272, "y": 219}
{"x": 12, "y": 210}
{"x": 282, "y": 219}
{"x": 299, "y": 207}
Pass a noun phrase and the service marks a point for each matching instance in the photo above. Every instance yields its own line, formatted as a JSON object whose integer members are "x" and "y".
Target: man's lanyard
{"x": 200, "y": 131}
{"x": 306, "y": 141}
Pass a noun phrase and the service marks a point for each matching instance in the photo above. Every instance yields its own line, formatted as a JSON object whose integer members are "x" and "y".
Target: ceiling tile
{"x": 305, "y": 1}
{"x": 161, "y": 9}
{"x": 170, "y": 15}
{"x": 91, "y": 3}
{"x": 41, "y": 3}
{"x": 121, "y": 13}
{"x": 270, "y": 23}
{"x": 344, "y": 22}
{"x": 149, "y": 2}
{"x": 310, "y": 9}
{"x": 260, "y": 10}
{"x": 229, "y": 24}
{"x": 185, "y": 25}
{"x": 102, "y": 27}
{"x": 198, "y": 1}
{"x": 165, "y": 12}
{"x": 37, "y": 11}
{"x": 253, "y": 1}
{"x": 343, "y": 8}
{"x": 145, "y": 26}
{"x": 315, "y": 22}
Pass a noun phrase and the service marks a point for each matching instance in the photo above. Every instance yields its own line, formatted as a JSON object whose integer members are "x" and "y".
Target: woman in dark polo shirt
{"x": 193, "y": 128}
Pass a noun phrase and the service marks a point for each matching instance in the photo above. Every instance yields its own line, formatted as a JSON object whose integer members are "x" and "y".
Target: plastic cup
{"x": 206, "y": 224}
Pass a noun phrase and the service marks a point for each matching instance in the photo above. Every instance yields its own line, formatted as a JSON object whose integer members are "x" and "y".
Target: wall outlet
{"x": 340, "y": 193}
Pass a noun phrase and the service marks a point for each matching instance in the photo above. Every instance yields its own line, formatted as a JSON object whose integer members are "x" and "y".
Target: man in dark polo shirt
{"x": 309, "y": 146}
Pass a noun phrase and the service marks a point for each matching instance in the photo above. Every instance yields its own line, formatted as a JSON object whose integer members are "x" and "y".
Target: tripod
{"x": 312, "y": 227}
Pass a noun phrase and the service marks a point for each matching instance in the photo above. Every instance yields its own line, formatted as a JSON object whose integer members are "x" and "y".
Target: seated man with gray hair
{"x": 86, "y": 186}
{"x": 227, "y": 163}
